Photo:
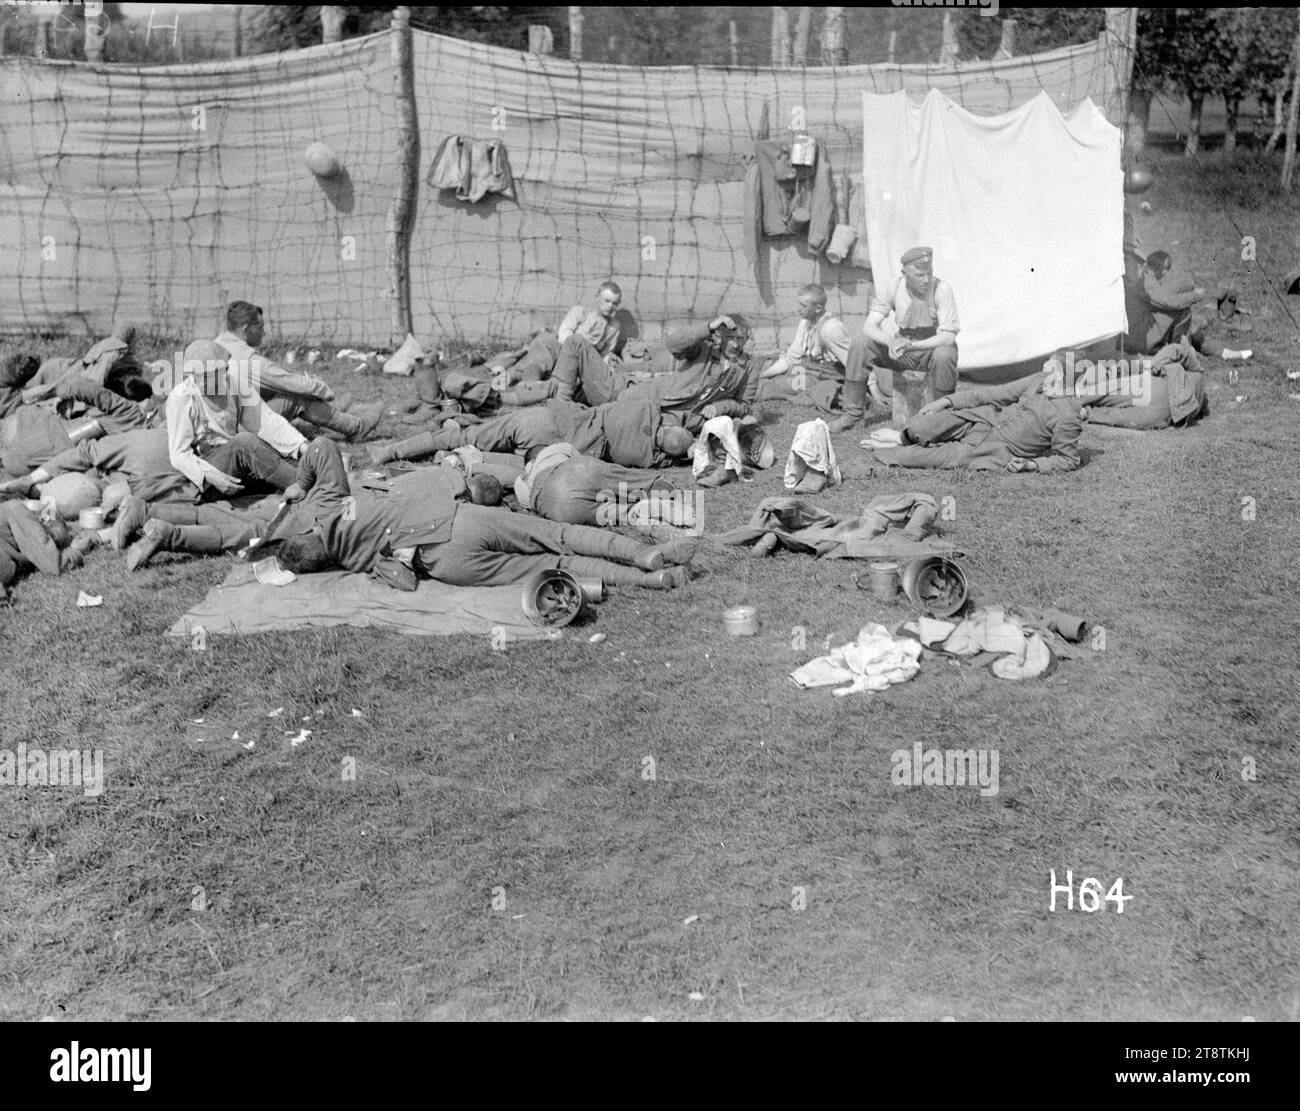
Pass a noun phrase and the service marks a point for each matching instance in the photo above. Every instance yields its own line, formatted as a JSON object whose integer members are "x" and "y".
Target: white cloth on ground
{"x": 874, "y": 662}
{"x": 811, "y": 450}
{"x": 723, "y": 429}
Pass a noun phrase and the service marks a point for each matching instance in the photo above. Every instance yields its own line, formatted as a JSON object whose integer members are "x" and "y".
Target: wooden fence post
{"x": 401, "y": 213}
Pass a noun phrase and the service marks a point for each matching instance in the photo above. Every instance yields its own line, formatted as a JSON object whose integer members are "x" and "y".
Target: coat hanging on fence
{"x": 473, "y": 168}
{"x": 788, "y": 197}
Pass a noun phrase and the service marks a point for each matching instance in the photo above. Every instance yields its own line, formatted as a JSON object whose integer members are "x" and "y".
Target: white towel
{"x": 724, "y": 431}
{"x": 874, "y": 662}
{"x": 811, "y": 450}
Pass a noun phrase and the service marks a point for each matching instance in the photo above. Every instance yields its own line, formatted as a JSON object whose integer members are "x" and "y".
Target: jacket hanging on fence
{"x": 784, "y": 199}
{"x": 473, "y": 168}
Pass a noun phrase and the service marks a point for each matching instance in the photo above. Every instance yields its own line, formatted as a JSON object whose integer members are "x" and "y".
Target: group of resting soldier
{"x": 562, "y": 420}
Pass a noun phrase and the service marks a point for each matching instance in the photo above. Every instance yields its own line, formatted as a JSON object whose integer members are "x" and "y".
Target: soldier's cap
{"x": 918, "y": 254}
{"x": 203, "y": 350}
{"x": 1227, "y": 292}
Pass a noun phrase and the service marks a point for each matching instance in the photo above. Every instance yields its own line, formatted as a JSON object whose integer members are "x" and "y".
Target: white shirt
{"x": 195, "y": 425}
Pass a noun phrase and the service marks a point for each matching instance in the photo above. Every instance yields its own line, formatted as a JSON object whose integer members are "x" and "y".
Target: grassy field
{"x": 502, "y": 854}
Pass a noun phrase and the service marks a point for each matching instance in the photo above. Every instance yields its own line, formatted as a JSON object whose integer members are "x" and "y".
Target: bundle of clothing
{"x": 472, "y": 168}
{"x": 732, "y": 445}
{"x": 893, "y": 526}
{"x": 1014, "y": 643}
{"x": 788, "y": 191}
{"x": 874, "y": 661}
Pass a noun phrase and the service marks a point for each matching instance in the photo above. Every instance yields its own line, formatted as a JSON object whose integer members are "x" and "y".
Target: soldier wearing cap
{"x": 925, "y": 339}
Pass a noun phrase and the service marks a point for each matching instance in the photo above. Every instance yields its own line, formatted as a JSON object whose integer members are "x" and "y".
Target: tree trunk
{"x": 401, "y": 213}
{"x": 541, "y": 39}
{"x": 734, "y": 38}
{"x": 575, "y": 32}
{"x": 893, "y": 46}
{"x": 237, "y": 30}
{"x": 1288, "y": 163}
{"x": 1007, "y": 47}
{"x": 948, "y": 51}
{"x": 835, "y": 38}
{"x": 1120, "y": 38}
{"x": 1279, "y": 101}
{"x": 1230, "y": 123}
{"x": 1139, "y": 116}
{"x": 331, "y": 23}
{"x": 802, "y": 27}
{"x": 780, "y": 36}
{"x": 94, "y": 35}
{"x": 1193, "y": 143}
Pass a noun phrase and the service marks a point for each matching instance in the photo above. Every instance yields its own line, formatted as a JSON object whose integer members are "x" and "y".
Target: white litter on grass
{"x": 276, "y": 712}
{"x": 696, "y": 996}
{"x": 250, "y": 745}
{"x": 597, "y": 638}
{"x": 235, "y": 735}
{"x": 1241, "y": 397}
{"x": 302, "y": 736}
{"x": 84, "y": 599}
{"x": 516, "y": 917}
{"x": 357, "y": 713}
{"x": 692, "y": 918}
{"x": 1295, "y": 397}
{"x": 1293, "y": 375}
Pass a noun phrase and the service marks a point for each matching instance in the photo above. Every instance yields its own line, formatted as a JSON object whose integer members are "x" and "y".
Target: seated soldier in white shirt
{"x": 296, "y": 397}
{"x": 925, "y": 314}
{"x": 816, "y": 358}
{"x": 220, "y": 434}
{"x": 598, "y": 326}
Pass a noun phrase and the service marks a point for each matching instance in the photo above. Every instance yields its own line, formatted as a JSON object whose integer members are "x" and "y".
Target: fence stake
{"x": 401, "y": 214}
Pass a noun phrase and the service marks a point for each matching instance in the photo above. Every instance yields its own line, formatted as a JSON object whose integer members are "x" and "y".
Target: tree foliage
{"x": 288, "y": 26}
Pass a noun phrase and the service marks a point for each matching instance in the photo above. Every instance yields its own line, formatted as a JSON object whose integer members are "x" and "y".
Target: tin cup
{"x": 593, "y": 590}
{"x": 741, "y": 621}
{"x": 92, "y": 518}
{"x": 884, "y": 580}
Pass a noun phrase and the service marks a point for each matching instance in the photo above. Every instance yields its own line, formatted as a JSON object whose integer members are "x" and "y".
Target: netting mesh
{"x": 158, "y": 194}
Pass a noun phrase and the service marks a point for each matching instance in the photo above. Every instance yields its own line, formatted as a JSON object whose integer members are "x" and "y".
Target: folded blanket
{"x": 242, "y": 605}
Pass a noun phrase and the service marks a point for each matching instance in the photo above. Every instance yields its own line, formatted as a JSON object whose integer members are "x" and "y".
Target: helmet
{"x": 552, "y": 598}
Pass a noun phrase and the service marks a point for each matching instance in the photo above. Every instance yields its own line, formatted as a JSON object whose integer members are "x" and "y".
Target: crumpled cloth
{"x": 811, "y": 450}
{"x": 722, "y": 429}
{"x": 1019, "y": 643}
{"x": 874, "y": 662}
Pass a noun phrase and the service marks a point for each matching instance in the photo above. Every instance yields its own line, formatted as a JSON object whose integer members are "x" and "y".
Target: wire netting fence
{"x": 159, "y": 193}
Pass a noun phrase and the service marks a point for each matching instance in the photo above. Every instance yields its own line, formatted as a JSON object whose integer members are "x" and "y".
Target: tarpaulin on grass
{"x": 1024, "y": 212}
{"x": 242, "y": 605}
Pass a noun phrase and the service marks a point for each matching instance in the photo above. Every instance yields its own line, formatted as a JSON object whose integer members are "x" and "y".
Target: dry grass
{"x": 522, "y": 770}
